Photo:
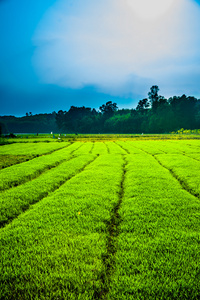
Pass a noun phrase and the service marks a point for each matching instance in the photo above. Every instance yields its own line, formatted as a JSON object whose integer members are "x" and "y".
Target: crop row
{"x": 31, "y": 148}
{"x": 20, "y": 173}
{"x": 135, "y": 147}
{"x": 55, "y": 250}
{"x": 9, "y": 160}
{"x": 161, "y": 147}
{"x": 158, "y": 245}
{"x": 18, "y": 199}
{"x": 108, "y": 230}
{"x": 185, "y": 169}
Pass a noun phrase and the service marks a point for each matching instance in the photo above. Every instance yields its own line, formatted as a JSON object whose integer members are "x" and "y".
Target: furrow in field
{"x": 158, "y": 243}
{"x": 150, "y": 147}
{"x": 85, "y": 148}
{"x": 184, "y": 169}
{"x": 19, "y": 199}
{"x": 92, "y": 148}
{"x": 7, "y": 160}
{"x": 160, "y": 147}
{"x": 192, "y": 155}
{"x": 55, "y": 249}
{"x": 121, "y": 145}
{"x": 115, "y": 148}
{"x": 128, "y": 147}
{"x": 188, "y": 177}
{"x": 185, "y": 149}
{"x": 26, "y": 171}
{"x": 192, "y": 147}
{"x": 108, "y": 150}
{"x": 111, "y": 241}
{"x": 31, "y": 148}
{"x": 99, "y": 148}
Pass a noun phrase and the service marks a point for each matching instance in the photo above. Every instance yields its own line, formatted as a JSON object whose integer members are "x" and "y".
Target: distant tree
{"x": 185, "y": 111}
{"x": 29, "y": 114}
{"x": 143, "y": 105}
{"x": 197, "y": 113}
{"x": 60, "y": 119}
{"x": 108, "y": 109}
{"x": 153, "y": 96}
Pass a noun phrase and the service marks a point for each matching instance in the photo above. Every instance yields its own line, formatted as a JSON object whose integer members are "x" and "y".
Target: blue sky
{"x": 55, "y": 54}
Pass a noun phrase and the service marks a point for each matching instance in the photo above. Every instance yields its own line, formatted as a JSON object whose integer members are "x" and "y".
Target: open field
{"x": 110, "y": 218}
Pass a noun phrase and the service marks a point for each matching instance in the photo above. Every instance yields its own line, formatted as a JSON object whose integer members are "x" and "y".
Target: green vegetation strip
{"x": 167, "y": 147}
{"x": 125, "y": 226}
{"x": 31, "y": 148}
{"x": 158, "y": 245}
{"x": 56, "y": 249}
{"x": 9, "y": 160}
{"x": 18, "y": 199}
{"x": 20, "y": 173}
{"x": 84, "y": 149}
{"x": 113, "y": 148}
{"x": 99, "y": 148}
{"x": 185, "y": 169}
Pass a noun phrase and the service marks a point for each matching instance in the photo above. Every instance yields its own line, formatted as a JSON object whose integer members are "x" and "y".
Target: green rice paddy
{"x": 100, "y": 219}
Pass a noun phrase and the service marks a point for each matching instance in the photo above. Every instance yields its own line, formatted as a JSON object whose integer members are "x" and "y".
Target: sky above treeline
{"x": 59, "y": 53}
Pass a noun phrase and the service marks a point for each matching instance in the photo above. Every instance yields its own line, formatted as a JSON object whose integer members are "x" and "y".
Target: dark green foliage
{"x": 143, "y": 105}
{"x": 108, "y": 109}
{"x": 163, "y": 116}
{"x": 40, "y": 123}
{"x": 153, "y": 115}
{"x": 9, "y": 160}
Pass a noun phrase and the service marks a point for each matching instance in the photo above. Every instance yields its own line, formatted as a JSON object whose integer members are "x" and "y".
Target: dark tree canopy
{"x": 109, "y": 108}
{"x": 153, "y": 115}
{"x": 143, "y": 104}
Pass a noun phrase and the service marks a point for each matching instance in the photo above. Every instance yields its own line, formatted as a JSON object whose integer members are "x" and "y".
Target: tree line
{"x": 154, "y": 114}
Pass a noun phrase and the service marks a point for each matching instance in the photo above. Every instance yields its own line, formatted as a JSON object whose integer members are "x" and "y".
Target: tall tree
{"x": 143, "y": 105}
{"x": 108, "y": 109}
{"x": 153, "y": 96}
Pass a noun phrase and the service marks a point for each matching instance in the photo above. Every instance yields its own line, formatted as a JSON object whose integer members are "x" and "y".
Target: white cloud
{"x": 109, "y": 45}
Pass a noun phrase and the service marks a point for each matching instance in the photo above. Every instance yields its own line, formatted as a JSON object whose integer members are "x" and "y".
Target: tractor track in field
{"x": 113, "y": 230}
{"x": 42, "y": 195}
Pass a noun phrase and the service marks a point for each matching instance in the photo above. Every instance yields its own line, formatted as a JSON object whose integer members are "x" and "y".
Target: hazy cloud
{"x": 117, "y": 48}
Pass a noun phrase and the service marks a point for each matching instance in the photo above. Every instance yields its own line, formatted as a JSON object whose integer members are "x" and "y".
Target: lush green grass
{"x": 47, "y": 138}
{"x": 185, "y": 169}
{"x": 55, "y": 249}
{"x": 107, "y": 219}
{"x": 18, "y": 199}
{"x": 9, "y": 160}
{"x": 31, "y": 148}
{"x": 158, "y": 244}
{"x": 20, "y": 173}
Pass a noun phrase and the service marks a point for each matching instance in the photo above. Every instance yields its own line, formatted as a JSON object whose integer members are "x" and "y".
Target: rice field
{"x": 110, "y": 219}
